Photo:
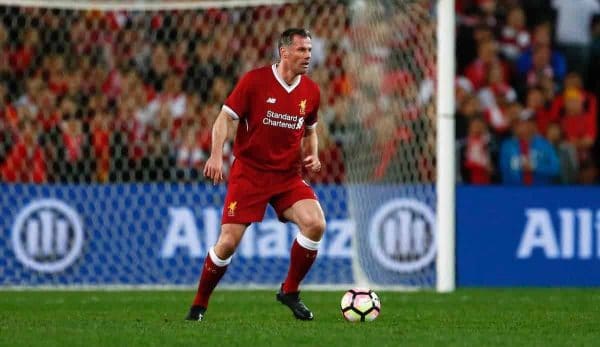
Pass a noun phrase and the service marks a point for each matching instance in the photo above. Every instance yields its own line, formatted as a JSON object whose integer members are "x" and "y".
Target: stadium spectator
{"x": 467, "y": 110}
{"x": 578, "y": 125}
{"x": 494, "y": 98}
{"x": 541, "y": 68}
{"x": 546, "y": 59}
{"x": 202, "y": 70}
{"x": 477, "y": 163}
{"x": 8, "y": 113}
{"x": 319, "y": 42}
{"x": 477, "y": 72}
{"x": 8, "y": 123}
{"x": 567, "y": 155}
{"x": 159, "y": 68}
{"x": 178, "y": 61}
{"x": 536, "y": 11}
{"x": 57, "y": 77}
{"x": 331, "y": 155}
{"x": 4, "y": 45}
{"x": 527, "y": 158}
{"x": 514, "y": 38}
{"x": 158, "y": 162}
{"x": 26, "y": 161}
{"x": 171, "y": 98}
{"x": 395, "y": 143}
{"x": 71, "y": 158}
{"x": 100, "y": 130}
{"x": 23, "y": 58}
{"x": 479, "y": 13}
{"x": 471, "y": 32}
{"x": 592, "y": 78}
{"x": 340, "y": 125}
{"x": 537, "y": 105}
{"x": 190, "y": 155}
{"x": 463, "y": 89}
{"x": 573, "y": 30}
{"x": 29, "y": 100}
{"x": 573, "y": 81}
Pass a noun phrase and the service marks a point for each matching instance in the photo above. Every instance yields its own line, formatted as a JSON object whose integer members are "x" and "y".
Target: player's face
{"x": 299, "y": 54}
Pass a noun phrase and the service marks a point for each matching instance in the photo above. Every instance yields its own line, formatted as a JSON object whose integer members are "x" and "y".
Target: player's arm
{"x": 223, "y": 126}
{"x": 310, "y": 149}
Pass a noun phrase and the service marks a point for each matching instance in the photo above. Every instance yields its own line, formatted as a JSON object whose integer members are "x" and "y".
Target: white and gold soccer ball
{"x": 360, "y": 305}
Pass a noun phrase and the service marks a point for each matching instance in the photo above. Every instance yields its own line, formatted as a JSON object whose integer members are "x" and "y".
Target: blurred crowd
{"x": 122, "y": 96}
{"x": 527, "y": 89}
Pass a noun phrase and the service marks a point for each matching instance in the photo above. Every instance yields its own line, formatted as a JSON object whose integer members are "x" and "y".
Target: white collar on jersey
{"x": 288, "y": 87}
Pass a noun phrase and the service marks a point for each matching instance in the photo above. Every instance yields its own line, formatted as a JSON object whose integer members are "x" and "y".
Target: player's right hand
{"x": 214, "y": 169}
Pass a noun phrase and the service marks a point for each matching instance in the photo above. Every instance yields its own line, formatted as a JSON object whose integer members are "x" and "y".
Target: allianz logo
{"x": 565, "y": 234}
{"x": 402, "y": 235}
{"x": 47, "y": 235}
{"x": 270, "y": 238}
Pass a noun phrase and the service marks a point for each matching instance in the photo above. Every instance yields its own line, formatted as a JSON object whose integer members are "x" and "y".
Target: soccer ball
{"x": 360, "y": 305}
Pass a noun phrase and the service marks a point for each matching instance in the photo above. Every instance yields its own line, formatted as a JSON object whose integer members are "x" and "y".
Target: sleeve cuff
{"x": 230, "y": 112}
{"x": 312, "y": 126}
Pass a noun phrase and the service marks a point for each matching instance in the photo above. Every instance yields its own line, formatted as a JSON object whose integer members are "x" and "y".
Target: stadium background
{"x": 104, "y": 127}
{"x": 121, "y": 103}
{"x": 118, "y": 105}
{"x": 122, "y": 96}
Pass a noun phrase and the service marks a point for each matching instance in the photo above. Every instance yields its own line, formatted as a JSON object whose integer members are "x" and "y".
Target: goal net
{"x": 106, "y": 110}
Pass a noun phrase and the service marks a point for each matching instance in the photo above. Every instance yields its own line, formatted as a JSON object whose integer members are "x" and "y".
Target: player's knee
{"x": 225, "y": 246}
{"x": 229, "y": 239}
{"x": 314, "y": 228}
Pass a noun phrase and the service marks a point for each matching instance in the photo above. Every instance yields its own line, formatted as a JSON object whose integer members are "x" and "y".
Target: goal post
{"x": 446, "y": 161}
{"x": 105, "y": 126}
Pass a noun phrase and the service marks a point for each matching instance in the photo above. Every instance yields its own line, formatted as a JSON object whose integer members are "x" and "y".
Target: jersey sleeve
{"x": 237, "y": 103}
{"x": 311, "y": 119}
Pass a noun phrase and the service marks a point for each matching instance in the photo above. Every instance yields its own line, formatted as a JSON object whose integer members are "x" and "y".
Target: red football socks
{"x": 302, "y": 256}
{"x": 214, "y": 268}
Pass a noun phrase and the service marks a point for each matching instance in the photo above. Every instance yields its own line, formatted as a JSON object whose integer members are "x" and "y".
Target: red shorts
{"x": 250, "y": 190}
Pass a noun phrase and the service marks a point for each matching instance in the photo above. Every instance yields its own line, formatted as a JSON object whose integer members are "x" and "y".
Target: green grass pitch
{"x": 474, "y": 317}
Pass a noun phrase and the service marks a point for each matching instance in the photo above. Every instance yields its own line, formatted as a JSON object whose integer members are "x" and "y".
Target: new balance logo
{"x": 271, "y": 100}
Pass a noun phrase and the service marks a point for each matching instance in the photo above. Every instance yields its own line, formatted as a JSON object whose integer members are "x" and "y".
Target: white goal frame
{"x": 445, "y": 107}
{"x": 446, "y": 180}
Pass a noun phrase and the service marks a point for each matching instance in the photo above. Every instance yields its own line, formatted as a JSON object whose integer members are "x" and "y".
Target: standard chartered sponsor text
{"x": 282, "y": 120}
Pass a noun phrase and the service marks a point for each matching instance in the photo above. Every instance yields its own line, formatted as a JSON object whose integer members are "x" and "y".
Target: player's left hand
{"x": 312, "y": 163}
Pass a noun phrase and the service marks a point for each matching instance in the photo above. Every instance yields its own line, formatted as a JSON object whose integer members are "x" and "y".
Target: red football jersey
{"x": 273, "y": 116}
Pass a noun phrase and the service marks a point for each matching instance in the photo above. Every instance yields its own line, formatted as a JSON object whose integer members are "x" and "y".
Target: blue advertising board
{"x": 159, "y": 234}
{"x": 148, "y": 234}
{"x": 528, "y": 236}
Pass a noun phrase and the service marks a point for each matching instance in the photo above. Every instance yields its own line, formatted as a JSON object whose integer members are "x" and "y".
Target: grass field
{"x": 480, "y": 317}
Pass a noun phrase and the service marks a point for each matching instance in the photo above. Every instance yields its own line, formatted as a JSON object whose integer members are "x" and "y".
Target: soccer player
{"x": 275, "y": 108}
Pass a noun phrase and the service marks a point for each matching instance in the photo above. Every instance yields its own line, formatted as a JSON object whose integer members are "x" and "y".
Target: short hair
{"x": 287, "y": 37}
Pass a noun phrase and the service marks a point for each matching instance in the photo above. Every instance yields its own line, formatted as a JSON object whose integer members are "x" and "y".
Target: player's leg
{"x": 215, "y": 265}
{"x": 244, "y": 204}
{"x": 308, "y": 216}
{"x": 300, "y": 205}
